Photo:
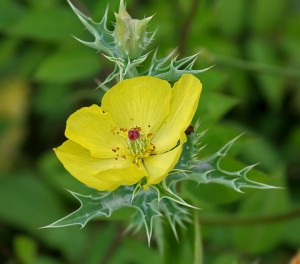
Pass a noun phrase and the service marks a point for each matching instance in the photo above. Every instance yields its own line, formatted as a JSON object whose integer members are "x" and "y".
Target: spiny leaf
{"x": 171, "y": 68}
{"x": 148, "y": 204}
{"x": 123, "y": 69}
{"x": 209, "y": 170}
{"x": 165, "y": 192}
{"x": 105, "y": 41}
{"x": 93, "y": 206}
{"x": 176, "y": 215}
{"x": 103, "y": 37}
{"x": 158, "y": 202}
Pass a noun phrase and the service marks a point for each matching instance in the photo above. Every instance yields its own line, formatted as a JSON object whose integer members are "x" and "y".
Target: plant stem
{"x": 198, "y": 251}
{"x": 258, "y": 220}
{"x": 257, "y": 67}
{"x": 183, "y": 34}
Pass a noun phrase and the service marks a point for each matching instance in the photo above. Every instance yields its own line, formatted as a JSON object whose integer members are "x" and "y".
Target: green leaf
{"x": 227, "y": 259}
{"x": 213, "y": 81}
{"x": 46, "y": 95}
{"x": 293, "y": 238}
{"x": 10, "y": 13}
{"x": 257, "y": 239}
{"x": 46, "y": 24}
{"x": 230, "y": 16}
{"x": 70, "y": 63}
{"x": 148, "y": 204}
{"x": 105, "y": 203}
{"x": 271, "y": 86}
{"x": 266, "y": 14}
{"x": 24, "y": 194}
{"x": 48, "y": 260}
{"x": 147, "y": 207}
{"x": 176, "y": 215}
{"x": 7, "y": 51}
{"x": 291, "y": 40}
{"x": 25, "y": 249}
{"x": 43, "y": 4}
{"x": 133, "y": 251}
{"x": 30, "y": 197}
{"x": 215, "y": 107}
{"x": 260, "y": 149}
{"x": 165, "y": 191}
{"x": 102, "y": 241}
{"x": 93, "y": 206}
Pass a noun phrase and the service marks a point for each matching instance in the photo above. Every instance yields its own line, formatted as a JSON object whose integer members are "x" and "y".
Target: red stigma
{"x": 133, "y": 134}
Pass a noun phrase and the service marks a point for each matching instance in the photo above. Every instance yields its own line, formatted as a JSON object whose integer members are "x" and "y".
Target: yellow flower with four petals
{"x": 137, "y": 133}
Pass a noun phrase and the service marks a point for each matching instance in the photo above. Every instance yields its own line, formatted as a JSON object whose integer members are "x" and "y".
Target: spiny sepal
{"x": 170, "y": 68}
{"x": 126, "y": 46}
{"x": 124, "y": 68}
{"x": 104, "y": 40}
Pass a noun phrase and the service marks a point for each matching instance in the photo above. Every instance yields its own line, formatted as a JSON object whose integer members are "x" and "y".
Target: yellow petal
{"x": 185, "y": 97}
{"x": 158, "y": 166}
{"x": 96, "y": 131}
{"x": 100, "y": 174}
{"x": 141, "y": 101}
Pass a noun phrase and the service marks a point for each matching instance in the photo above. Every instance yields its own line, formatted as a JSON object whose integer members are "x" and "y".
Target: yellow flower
{"x": 137, "y": 132}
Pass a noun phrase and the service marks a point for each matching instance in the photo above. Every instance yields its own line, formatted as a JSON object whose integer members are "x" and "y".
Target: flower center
{"x": 139, "y": 145}
{"x": 133, "y": 134}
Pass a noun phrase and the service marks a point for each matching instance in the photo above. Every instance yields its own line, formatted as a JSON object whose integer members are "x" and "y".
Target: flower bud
{"x": 130, "y": 34}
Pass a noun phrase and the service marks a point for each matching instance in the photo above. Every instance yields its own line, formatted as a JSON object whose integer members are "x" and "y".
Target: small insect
{"x": 190, "y": 129}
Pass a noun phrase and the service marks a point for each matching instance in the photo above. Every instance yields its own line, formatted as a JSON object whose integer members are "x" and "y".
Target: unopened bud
{"x": 130, "y": 34}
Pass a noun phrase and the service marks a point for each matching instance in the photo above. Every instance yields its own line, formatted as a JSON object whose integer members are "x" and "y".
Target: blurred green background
{"x": 254, "y": 87}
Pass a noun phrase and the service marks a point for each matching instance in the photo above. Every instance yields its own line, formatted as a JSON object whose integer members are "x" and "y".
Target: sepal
{"x": 104, "y": 40}
{"x": 170, "y": 68}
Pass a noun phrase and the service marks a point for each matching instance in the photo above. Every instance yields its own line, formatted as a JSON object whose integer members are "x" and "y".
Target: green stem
{"x": 258, "y": 220}
{"x": 257, "y": 67}
{"x": 187, "y": 25}
{"x": 198, "y": 251}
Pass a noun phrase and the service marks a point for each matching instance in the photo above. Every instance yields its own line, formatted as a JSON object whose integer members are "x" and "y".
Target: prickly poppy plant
{"x": 136, "y": 135}
{"x": 137, "y": 146}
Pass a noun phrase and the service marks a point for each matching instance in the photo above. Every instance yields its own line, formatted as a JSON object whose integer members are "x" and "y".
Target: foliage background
{"x": 45, "y": 75}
